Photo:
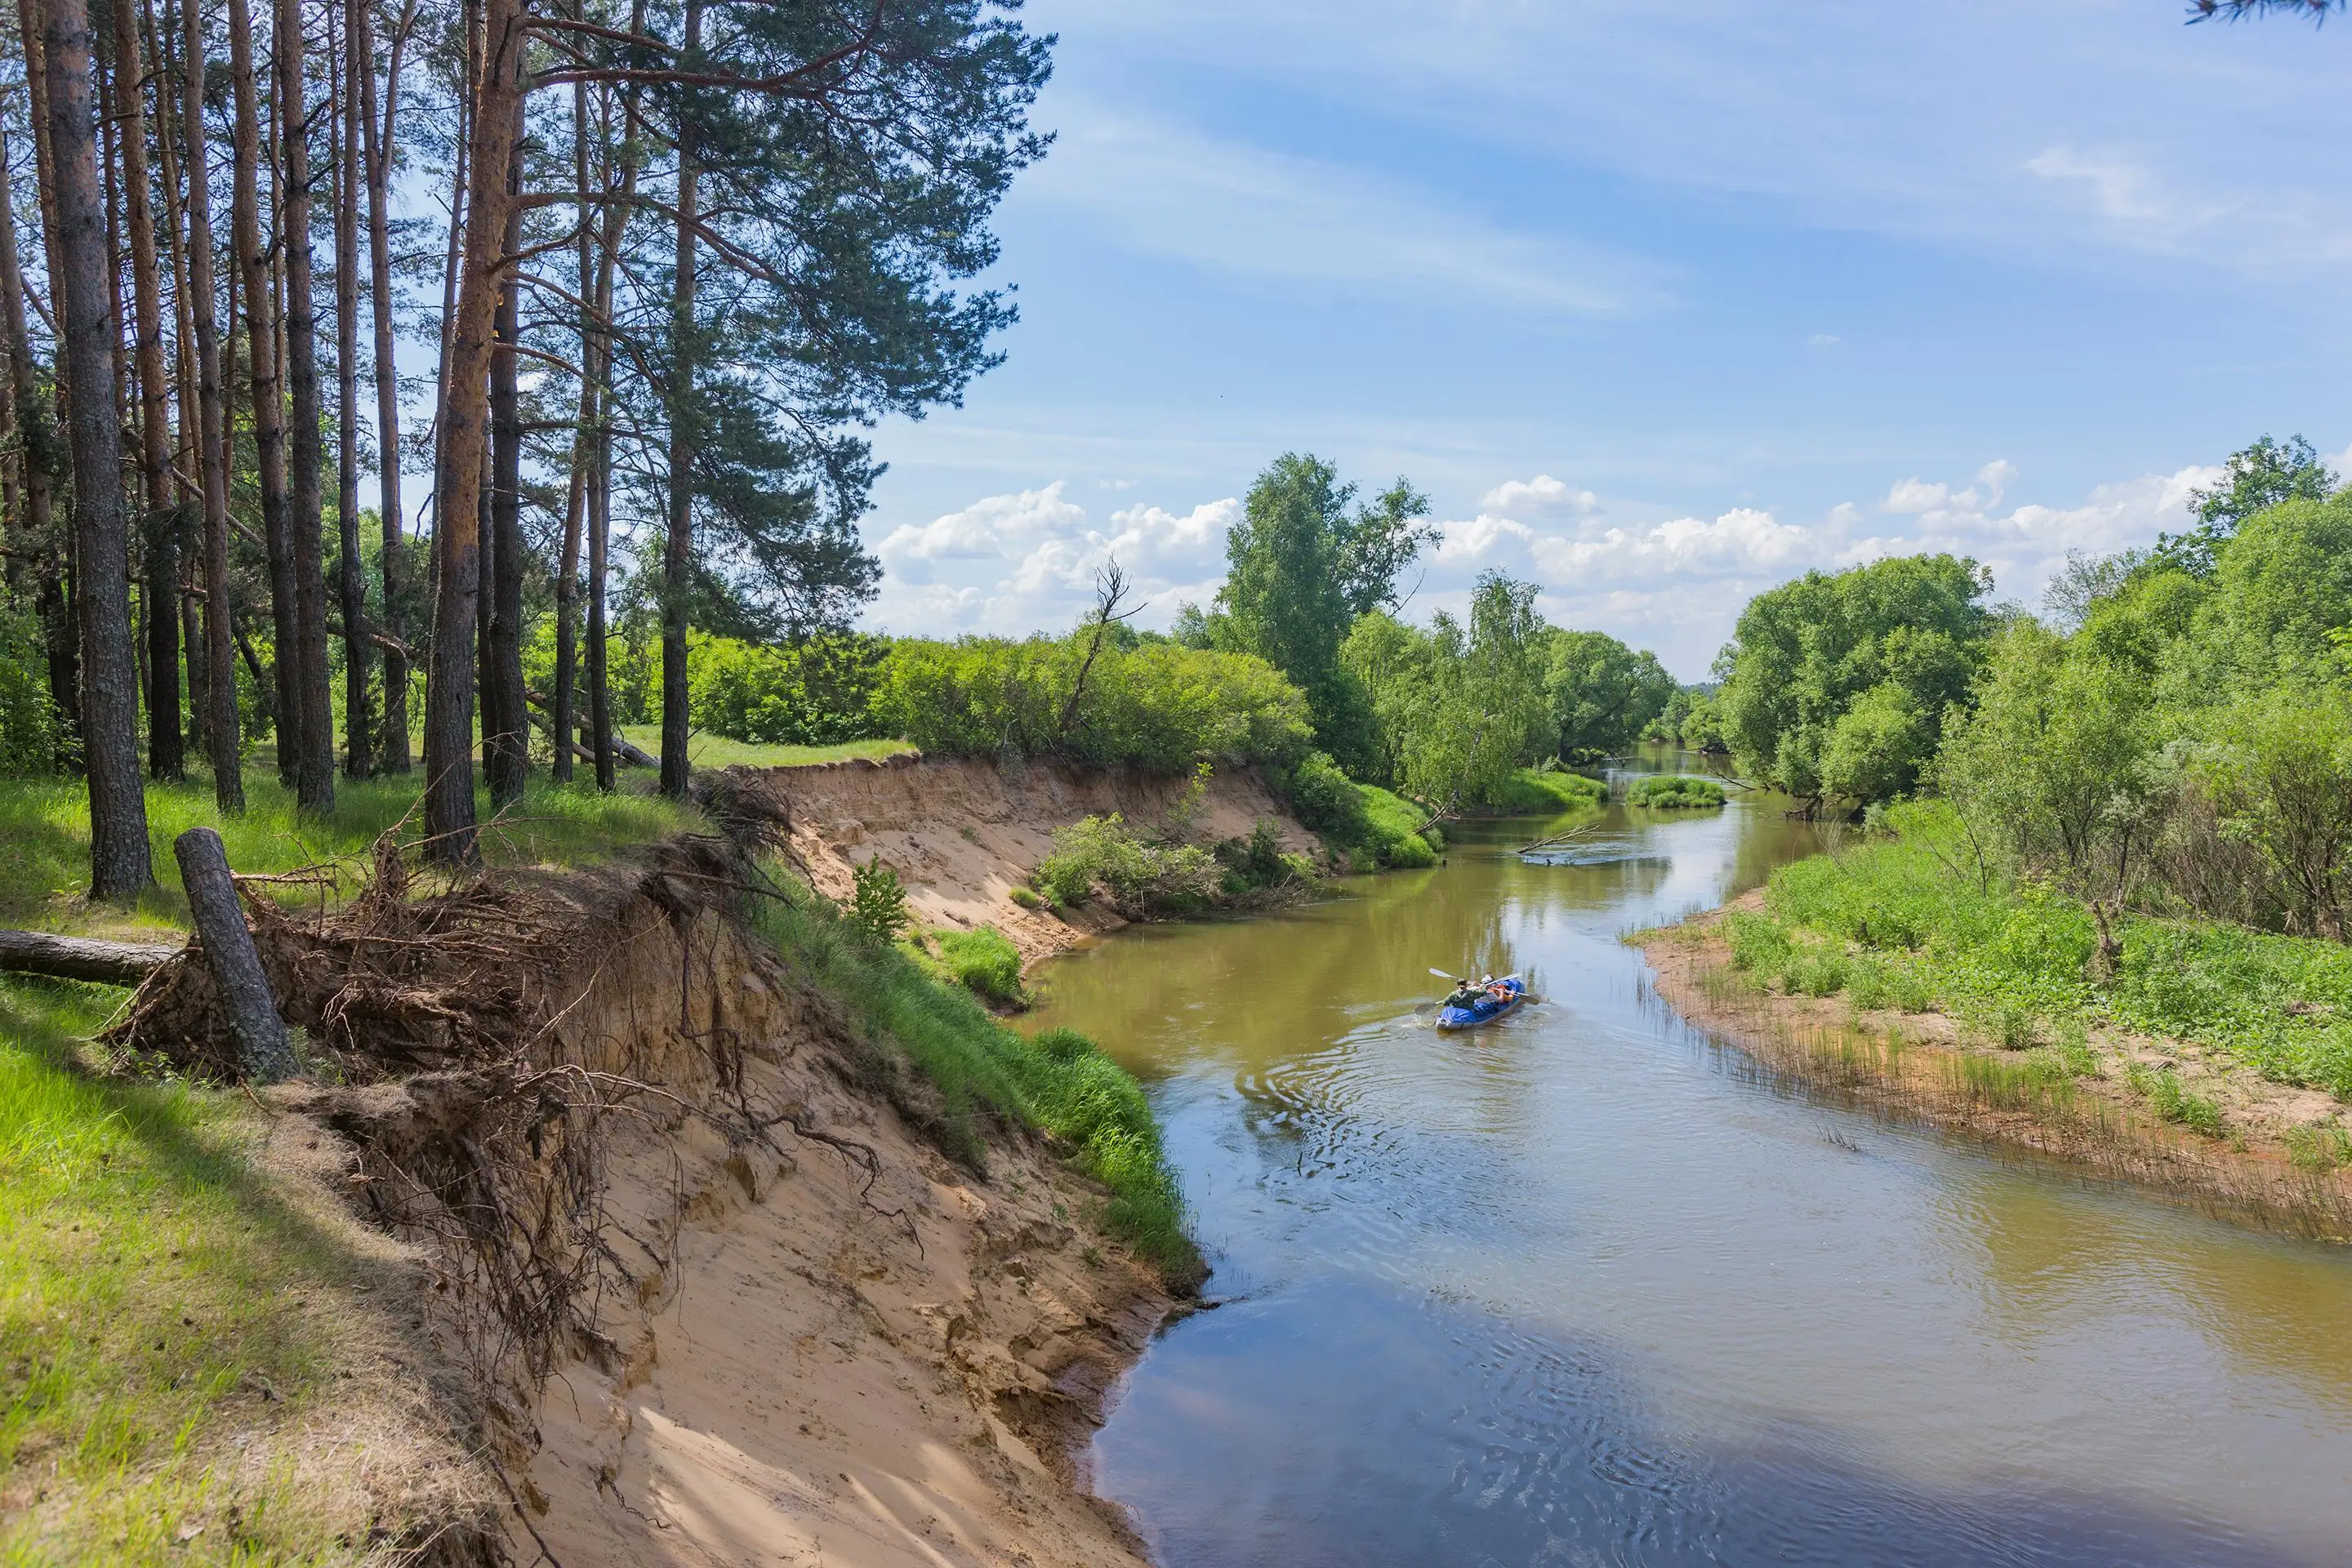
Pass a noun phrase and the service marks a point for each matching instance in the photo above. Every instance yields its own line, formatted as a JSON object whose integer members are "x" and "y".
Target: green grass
{"x": 708, "y": 750}
{"x": 985, "y": 962}
{"x": 151, "y": 1286}
{"x": 45, "y": 824}
{"x": 1914, "y": 923}
{"x": 1529, "y": 792}
{"x": 1390, "y": 836}
{"x": 2170, "y": 1100}
{"x": 1664, "y": 792}
{"x": 1060, "y": 1081}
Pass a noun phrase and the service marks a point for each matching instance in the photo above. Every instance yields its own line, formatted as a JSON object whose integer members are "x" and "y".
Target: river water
{"x": 1591, "y": 1288}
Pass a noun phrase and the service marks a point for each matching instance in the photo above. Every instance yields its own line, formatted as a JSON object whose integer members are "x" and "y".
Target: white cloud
{"x": 985, "y": 529}
{"x": 1542, "y": 494}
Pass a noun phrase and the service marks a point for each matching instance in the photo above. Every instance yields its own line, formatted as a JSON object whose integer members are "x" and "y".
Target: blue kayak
{"x": 1486, "y": 1009}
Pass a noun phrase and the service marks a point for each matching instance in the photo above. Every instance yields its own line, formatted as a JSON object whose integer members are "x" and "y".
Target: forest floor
{"x": 2167, "y": 1112}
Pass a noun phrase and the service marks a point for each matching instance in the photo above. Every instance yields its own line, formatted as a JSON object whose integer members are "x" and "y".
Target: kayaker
{"x": 1467, "y": 996}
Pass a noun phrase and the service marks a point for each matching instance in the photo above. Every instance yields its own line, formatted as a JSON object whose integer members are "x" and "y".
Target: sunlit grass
{"x": 709, "y": 751}
{"x": 155, "y": 1295}
{"x": 45, "y": 824}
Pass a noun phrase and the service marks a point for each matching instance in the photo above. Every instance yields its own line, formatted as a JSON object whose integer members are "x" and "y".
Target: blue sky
{"x": 1660, "y": 304}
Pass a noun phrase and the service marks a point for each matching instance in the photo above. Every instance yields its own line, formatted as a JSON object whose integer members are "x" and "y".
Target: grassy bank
{"x": 45, "y": 823}
{"x": 706, "y": 750}
{"x": 1059, "y": 1082}
{"x": 1910, "y": 921}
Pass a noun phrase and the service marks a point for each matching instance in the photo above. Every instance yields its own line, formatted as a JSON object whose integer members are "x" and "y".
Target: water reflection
{"x": 1581, "y": 1288}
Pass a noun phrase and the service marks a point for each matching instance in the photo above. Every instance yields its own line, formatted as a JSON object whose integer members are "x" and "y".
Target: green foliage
{"x": 2019, "y": 957}
{"x": 1457, "y": 709}
{"x": 1301, "y": 568}
{"x": 1324, "y": 799}
{"x": 1392, "y": 833}
{"x": 1806, "y": 651}
{"x": 1878, "y": 746}
{"x": 29, "y": 726}
{"x": 1603, "y": 695}
{"x": 1664, "y": 792}
{"x": 1060, "y": 1082}
{"x": 1156, "y": 704}
{"x": 985, "y": 962}
{"x": 2254, "y": 480}
{"x": 1546, "y": 791}
{"x": 877, "y": 903}
{"x": 2321, "y": 1148}
{"x": 1026, "y": 899}
{"x": 1702, "y": 728}
{"x": 1143, "y": 878}
{"x": 817, "y": 692}
{"x": 2170, "y": 1100}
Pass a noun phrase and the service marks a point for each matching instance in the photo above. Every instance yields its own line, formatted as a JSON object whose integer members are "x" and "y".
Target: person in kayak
{"x": 1467, "y": 996}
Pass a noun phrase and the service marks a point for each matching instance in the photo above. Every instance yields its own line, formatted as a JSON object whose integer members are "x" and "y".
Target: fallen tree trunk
{"x": 623, "y": 752}
{"x": 265, "y": 1053}
{"x": 80, "y": 957}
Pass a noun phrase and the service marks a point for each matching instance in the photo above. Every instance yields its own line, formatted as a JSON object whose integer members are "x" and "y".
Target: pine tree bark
{"x": 120, "y": 863}
{"x": 576, "y": 495}
{"x": 677, "y": 552}
{"x": 506, "y": 723}
{"x": 267, "y": 392}
{"x": 448, "y": 699}
{"x": 36, "y": 523}
{"x": 358, "y": 652}
{"x": 600, "y": 491}
{"x": 188, "y": 507}
{"x": 223, "y": 725}
{"x": 161, "y": 525}
{"x": 53, "y": 595}
{"x": 314, "y": 768}
{"x": 376, "y": 145}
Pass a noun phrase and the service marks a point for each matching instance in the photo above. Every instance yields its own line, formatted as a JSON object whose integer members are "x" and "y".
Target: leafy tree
{"x": 1805, "y": 651}
{"x": 877, "y": 903}
{"x": 2279, "y": 774}
{"x": 2281, "y": 586}
{"x": 2255, "y": 479}
{"x": 1301, "y": 567}
{"x": 1878, "y": 746}
{"x": 2085, "y": 581}
{"x": 1603, "y": 695}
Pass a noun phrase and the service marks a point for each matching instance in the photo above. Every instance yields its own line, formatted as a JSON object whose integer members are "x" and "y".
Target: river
{"x": 1592, "y": 1288}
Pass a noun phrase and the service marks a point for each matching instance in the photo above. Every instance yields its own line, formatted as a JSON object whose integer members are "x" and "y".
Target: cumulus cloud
{"x": 1540, "y": 496}
{"x": 1027, "y": 561}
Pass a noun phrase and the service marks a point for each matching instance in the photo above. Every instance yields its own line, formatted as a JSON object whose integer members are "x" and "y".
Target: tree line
{"x": 2173, "y": 732}
{"x": 665, "y": 264}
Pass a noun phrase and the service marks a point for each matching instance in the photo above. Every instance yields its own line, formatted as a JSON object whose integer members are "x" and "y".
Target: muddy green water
{"x": 1591, "y": 1288}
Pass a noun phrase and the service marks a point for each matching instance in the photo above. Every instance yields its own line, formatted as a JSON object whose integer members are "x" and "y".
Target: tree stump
{"x": 264, "y": 1050}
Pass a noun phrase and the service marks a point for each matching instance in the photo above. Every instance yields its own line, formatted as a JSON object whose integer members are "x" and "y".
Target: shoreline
{"x": 1926, "y": 1068}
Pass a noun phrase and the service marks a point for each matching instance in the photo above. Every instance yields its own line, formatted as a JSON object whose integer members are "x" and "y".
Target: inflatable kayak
{"x": 1486, "y": 1009}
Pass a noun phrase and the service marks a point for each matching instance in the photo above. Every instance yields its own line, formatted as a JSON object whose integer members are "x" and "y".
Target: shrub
{"x": 1154, "y": 704}
{"x": 877, "y": 903}
{"x": 1530, "y": 791}
{"x": 2170, "y": 1100}
{"x": 985, "y": 962}
{"x": 1026, "y": 899}
{"x": 1144, "y": 880}
{"x": 815, "y": 692}
{"x": 1672, "y": 793}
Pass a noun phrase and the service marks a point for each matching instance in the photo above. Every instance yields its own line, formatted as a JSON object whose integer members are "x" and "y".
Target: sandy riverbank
{"x": 1932, "y": 1068}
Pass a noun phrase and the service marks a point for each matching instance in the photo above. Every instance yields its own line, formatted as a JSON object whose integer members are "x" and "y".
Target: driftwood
{"x": 265, "y": 1053}
{"x": 1557, "y": 841}
{"x": 80, "y": 957}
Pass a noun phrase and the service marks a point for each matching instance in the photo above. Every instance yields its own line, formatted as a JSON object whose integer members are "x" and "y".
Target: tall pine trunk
{"x": 506, "y": 723}
{"x": 188, "y": 508}
{"x": 35, "y": 524}
{"x": 53, "y": 598}
{"x": 677, "y": 552}
{"x": 268, "y": 395}
{"x": 347, "y": 413}
{"x": 448, "y": 696}
{"x": 314, "y": 765}
{"x": 160, "y": 526}
{"x": 222, "y": 726}
{"x": 600, "y": 488}
{"x": 576, "y": 495}
{"x": 119, "y": 865}
{"x": 376, "y": 139}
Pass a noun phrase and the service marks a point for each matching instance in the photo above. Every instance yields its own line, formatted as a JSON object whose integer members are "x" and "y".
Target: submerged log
{"x": 80, "y": 957}
{"x": 264, "y": 1054}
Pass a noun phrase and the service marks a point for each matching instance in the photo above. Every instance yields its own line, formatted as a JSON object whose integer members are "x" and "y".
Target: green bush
{"x": 1153, "y": 704}
{"x": 1026, "y": 899}
{"x": 985, "y": 962}
{"x": 1144, "y": 880}
{"x": 815, "y": 692}
{"x": 2169, "y": 1100}
{"x": 28, "y": 727}
{"x": 1672, "y": 793}
{"x": 1529, "y": 792}
{"x": 877, "y": 903}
